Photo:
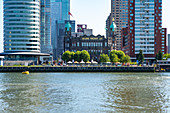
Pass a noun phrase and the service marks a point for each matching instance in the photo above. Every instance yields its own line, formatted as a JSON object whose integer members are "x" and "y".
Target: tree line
{"x": 114, "y": 56}
{"x": 76, "y": 56}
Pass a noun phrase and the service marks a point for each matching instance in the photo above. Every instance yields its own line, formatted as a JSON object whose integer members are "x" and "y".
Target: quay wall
{"x": 77, "y": 69}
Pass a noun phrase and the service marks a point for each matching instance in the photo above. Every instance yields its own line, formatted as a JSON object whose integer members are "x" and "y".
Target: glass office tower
{"x": 65, "y": 10}
{"x": 46, "y": 46}
{"x": 59, "y": 14}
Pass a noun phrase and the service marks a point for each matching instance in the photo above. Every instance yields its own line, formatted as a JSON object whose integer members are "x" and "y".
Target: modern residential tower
{"x": 22, "y": 32}
{"x": 144, "y": 29}
{"x": 21, "y": 26}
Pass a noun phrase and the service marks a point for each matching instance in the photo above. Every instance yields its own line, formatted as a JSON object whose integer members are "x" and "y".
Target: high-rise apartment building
{"x": 144, "y": 29}
{"x": 119, "y": 11}
{"x": 21, "y": 26}
{"x": 22, "y": 30}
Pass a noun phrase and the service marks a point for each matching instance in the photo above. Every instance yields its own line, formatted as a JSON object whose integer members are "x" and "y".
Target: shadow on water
{"x": 143, "y": 93}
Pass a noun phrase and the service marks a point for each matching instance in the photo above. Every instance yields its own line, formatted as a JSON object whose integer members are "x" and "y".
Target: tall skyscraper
{"x": 22, "y": 31}
{"x": 56, "y": 14}
{"x": 46, "y": 46}
{"x": 145, "y": 30}
{"x": 65, "y": 10}
{"x": 119, "y": 11}
{"x": 59, "y": 14}
{"x": 21, "y": 26}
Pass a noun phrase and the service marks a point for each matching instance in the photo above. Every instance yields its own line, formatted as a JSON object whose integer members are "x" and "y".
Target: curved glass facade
{"x": 21, "y": 26}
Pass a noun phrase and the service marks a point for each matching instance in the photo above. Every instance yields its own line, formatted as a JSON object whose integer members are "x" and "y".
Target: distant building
{"x": 164, "y": 41}
{"x": 60, "y": 27}
{"x": 81, "y": 27}
{"x": 59, "y": 16}
{"x": 77, "y": 34}
{"x": 119, "y": 11}
{"x": 95, "y": 45}
{"x": 88, "y": 32}
{"x": 168, "y": 43}
{"x": 144, "y": 29}
{"x": 108, "y": 23}
{"x": 45, "y": 26}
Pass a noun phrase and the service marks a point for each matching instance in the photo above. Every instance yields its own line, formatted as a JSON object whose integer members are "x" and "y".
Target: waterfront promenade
{"x": 78, "y": 69}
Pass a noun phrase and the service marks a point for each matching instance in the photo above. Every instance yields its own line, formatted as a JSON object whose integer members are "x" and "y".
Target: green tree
{"x": 72, "y": 55}
{"x": 104, "y": 58}
{"x": 112, "y": 55}
{"x": 120, "y": 54}
{"x": 165, "y": 55}
{"x": 77, "y": 56}
{"x": 126, "y": 59}
{"x": 113, "y": 52}
{"x": 85, "y": 56}
{"x": 140, "y": 56}
{"x": 114, "y": 58}
{"x": 160, "y": 55}
{"x": 168, "y": 56}
{"x": 66, "y": 56}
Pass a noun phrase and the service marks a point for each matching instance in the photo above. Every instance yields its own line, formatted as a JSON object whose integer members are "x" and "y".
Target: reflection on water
{"x": 85, "y": 92}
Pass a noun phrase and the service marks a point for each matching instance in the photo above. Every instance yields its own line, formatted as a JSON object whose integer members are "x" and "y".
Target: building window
{"x": 106, "y": 44}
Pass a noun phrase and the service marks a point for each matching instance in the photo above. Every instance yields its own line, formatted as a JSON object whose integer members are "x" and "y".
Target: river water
{"x": 85, "y": 93}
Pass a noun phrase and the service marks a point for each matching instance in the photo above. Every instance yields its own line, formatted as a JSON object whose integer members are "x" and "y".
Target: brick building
{"x": 95, "y": 45}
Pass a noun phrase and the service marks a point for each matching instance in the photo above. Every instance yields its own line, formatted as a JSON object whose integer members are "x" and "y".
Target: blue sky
{"x": 93, "y": 13}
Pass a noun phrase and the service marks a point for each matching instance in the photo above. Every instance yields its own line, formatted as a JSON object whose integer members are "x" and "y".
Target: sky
{"x": 93, "y": 13}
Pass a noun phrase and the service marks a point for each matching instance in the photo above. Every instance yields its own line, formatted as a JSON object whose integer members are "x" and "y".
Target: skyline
{"x": 85, "y": 12}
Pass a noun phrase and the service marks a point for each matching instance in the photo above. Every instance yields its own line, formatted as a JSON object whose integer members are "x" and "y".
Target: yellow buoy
{"x": 25, "y": 72}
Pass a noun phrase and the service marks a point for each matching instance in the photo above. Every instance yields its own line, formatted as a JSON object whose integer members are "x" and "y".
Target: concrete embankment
{"x": 77, "y": 69}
